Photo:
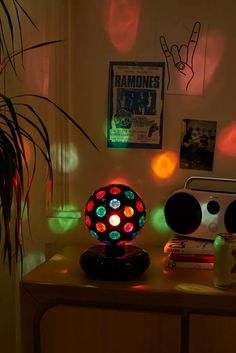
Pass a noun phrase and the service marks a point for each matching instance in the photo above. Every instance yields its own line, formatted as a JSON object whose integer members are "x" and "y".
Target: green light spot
{"x": 158, "y": 220}
{"x": 94, "y": 234}
{"x": 101, "y": 211}
{"x": 129, "y": 194}
{"x": 114, "y": 235}
{"x": 64, "y": 219}
{"x": 141, "y": 221}
{"x": 64, "y": 157}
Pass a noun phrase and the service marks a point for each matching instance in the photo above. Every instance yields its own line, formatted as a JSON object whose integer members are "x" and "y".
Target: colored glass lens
{"x": 101, "y": 211}
{"x": 128, "y": 211}
{"x": 100, "y": 227}
{"x": 114, "y": 220}
{"x": 114, "y": 203}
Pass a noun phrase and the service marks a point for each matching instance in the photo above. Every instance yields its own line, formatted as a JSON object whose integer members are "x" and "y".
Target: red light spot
{"x": 118, "y": 181}
{"x": 215, "y": 52}
{"x": 100, "y": 194}
{"x": 128, "y": 227}
{"x": 123, "y": 242}
{"x": 139, "y": 206}
{"x": 100, "y": 227}
{"x": 123, "y": 22}
{"x": 227, "y": 140}
{"x": 90, "y": 205}
{"x": 115, "y": 190}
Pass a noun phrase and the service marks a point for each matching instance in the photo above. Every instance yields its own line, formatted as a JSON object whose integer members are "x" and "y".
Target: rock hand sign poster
{"x": 135, "y": 111}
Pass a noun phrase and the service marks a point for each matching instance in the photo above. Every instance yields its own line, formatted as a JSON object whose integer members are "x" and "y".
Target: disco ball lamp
{"x": 114, "y": 215}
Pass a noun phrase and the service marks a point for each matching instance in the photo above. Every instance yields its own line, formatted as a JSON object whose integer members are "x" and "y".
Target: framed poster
{"x": 135, "y": 111}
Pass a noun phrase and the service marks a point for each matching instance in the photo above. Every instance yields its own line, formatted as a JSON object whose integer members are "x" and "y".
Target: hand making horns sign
{"x": 180, "y": 59}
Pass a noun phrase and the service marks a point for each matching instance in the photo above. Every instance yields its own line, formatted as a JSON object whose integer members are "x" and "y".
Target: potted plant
{"x": 14, "y": 168}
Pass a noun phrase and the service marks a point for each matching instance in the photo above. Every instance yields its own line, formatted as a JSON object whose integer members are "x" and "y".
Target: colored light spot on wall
{"x": 226, "y": 141}
{"x": 118, "y": 181}
{"x": 32, "y": 260}
{"x": 215, "y": 51}
{"x": 27, "y": 149}
{"x": 164, "y": 164}
{"x": 64, "y": 220}
{"x": 64, "y": 157}
{"x": 36, "y": 71}
{"x": 122, "y": 23}
{"x": 158, "y": 221}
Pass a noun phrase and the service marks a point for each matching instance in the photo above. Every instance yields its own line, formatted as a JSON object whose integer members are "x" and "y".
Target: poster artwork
{"x": 136, "y": 95}
{"x": 197, "y": 144}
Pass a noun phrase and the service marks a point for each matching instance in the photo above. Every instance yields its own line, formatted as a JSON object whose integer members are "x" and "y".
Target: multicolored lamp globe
{"x": 114, "y": 215}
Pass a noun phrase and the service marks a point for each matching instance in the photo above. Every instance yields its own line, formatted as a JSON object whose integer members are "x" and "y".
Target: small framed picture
{"x": 197, "y": 144}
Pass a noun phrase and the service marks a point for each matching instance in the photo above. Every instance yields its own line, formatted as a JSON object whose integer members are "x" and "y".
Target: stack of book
{"x": 184, "y": 252}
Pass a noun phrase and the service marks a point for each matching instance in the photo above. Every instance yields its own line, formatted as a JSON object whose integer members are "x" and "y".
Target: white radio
{"x": 200, "y": 213}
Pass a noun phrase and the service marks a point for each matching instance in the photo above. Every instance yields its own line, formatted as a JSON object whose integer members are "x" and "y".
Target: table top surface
{"x": 61, "y": 279}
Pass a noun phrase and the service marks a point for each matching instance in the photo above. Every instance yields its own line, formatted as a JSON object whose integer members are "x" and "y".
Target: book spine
{"x": 192, "y": 265}
{"x": 191, "y": 257}
{"x": 188, "y": 251}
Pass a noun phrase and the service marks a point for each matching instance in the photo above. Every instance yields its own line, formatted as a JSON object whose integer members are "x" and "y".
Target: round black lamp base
{"x": 118, "y": 262}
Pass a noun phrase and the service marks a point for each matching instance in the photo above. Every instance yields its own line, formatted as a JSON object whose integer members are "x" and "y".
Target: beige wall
{"x": 90, "y": 48}
{"x": 75, "y": 74}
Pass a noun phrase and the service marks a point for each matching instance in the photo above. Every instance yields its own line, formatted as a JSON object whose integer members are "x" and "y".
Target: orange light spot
{"x": 118, "y": 181}
{"x": 100, "y": 227}
{"x": 27, "y": 149}
{"x": 163, "y": 165}
{"x": 128, "y": 211}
